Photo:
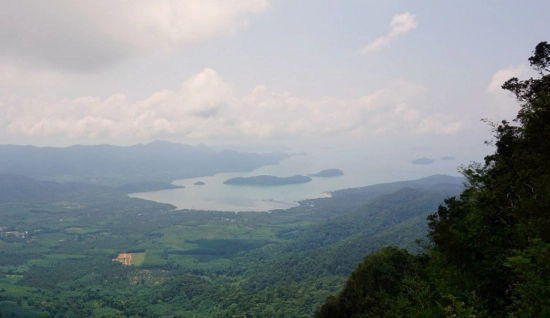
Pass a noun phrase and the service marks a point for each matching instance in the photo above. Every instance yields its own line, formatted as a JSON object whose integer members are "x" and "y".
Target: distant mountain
{"x": 116, "y": 166}
{"x": 253, "y": 147}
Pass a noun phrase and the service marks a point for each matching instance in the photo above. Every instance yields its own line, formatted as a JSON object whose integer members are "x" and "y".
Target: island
{"x": 265, "y": 180}
{"x": 423, "y": 161}
{"x": 199, "y": 183}
{"x": 328, "y": 173}
{"x": 448, "y": 158}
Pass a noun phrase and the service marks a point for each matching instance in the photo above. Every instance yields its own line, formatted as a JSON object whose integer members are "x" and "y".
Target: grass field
{"x": 138, "y": 258}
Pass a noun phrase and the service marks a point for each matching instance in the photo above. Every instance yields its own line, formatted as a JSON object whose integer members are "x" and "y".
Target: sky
{"x": 417, "y": 74}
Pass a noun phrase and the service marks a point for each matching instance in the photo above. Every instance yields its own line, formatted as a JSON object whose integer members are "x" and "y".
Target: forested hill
{"x": 380, "y": 214}
{"x": 17, "y": 188}
{"x": 114, "y": 165}
{"x": 346, "y": 200}
{"x": 489, "y": 251}
{"x": 21, "y": 191}
{"x": 319, "y": 255}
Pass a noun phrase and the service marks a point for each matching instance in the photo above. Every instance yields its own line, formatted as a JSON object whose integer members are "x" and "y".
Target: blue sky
{"x": 262, "y": 71}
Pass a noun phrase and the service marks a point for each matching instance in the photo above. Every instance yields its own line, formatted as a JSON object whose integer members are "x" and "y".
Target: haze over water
{"x": 361, "y": 168}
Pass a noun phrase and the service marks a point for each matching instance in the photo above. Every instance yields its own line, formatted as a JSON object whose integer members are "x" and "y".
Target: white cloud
{"x": 10, "y": 75}
{"x": 401, "y": 24}
{"x": 505, "y": 74}
{"x": 440, "y": 125}
{"x": 205, "y": 106}
{"x": 181, "y": 22}
{"x": 502, "y": 104}
{"x": 83, "y": 36}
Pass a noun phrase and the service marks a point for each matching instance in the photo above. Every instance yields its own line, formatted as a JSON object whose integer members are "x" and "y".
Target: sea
{"x": 361, "y": 167}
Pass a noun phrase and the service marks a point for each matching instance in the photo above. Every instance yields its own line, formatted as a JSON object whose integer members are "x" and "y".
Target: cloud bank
{"x": 401, "y": 24}
{"x": 205, "y": 106}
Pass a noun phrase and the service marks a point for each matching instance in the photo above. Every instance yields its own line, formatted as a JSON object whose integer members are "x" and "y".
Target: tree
{"x": 496, "y": 234}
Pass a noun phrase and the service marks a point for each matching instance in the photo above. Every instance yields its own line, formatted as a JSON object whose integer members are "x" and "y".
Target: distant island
{"x": 448, "y": 158}
{"x": 423, "y": 161}
{"x": 265, "y": 180}
{"x": 328, "y": 173}
{"x": 199, "y": 183}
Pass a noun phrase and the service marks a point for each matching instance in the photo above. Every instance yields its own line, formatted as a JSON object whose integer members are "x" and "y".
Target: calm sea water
{"x": 361, "y": 168}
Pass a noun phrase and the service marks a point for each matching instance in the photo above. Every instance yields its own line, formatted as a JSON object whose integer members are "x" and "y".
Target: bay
{"x": 361, "y": 167}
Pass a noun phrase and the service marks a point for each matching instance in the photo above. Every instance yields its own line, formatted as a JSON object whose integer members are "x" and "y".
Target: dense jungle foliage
{"x": 490, "y": 247}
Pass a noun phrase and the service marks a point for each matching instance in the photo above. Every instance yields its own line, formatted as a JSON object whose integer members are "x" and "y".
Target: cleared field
{"x": 128, "y": 259}
{"x": 138, "y": 258}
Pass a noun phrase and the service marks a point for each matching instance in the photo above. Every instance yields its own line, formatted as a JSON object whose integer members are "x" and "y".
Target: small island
{"x": 199, "y": 183}
{"x": 328, "y": 173}
{"x": 265, "y": 180}
{"x": 423, "y": 161}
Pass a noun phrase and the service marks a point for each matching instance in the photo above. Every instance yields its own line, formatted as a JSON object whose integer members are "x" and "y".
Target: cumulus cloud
{"x": 206, "y": 106}
{"x": 84, "y": 36}
{"x": 503, "y": 105}
{"x": 401, "y": 24}
{"x": 505, "y": 74}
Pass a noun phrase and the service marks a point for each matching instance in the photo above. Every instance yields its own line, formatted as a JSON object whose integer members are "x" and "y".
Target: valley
{"x": 182, "y": 261}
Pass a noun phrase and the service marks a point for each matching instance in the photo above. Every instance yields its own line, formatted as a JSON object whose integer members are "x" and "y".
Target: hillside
{"x": 138, "y": 164}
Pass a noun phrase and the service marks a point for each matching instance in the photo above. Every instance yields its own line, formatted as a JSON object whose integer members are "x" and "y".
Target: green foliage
{"x": 492, "y": 230}
{"x": 370, "y": 286}
{"x": 17, "y": 309}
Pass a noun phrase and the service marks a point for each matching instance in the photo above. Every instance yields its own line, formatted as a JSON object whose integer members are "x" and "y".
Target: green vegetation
{"x": 268, "y": 180}
{"x": 57, "y": 250}
{"x": 328, "y": 173}
{"x": 489, "y": 249}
